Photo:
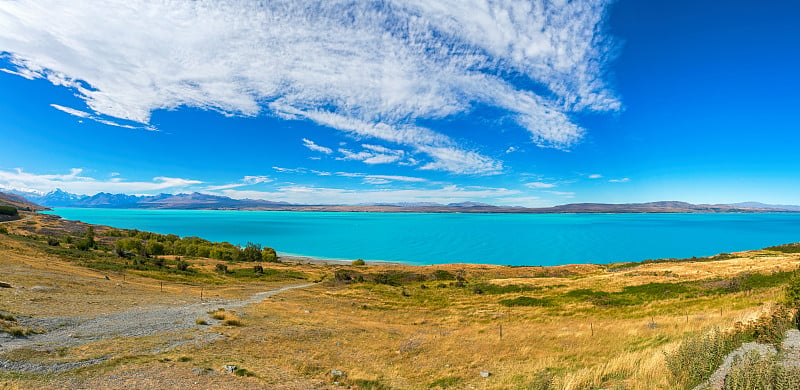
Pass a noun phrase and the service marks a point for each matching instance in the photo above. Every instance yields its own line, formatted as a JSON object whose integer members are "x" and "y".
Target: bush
{"x": 251, "y": 252}
{"x": 526, "y": 301}
{"x": 697, "y": 357}
{"x": 182, "y": 266}
{"x": 52, "y": 241}
{"x": 269, "y": 255}
{"x": 8, "y": 210}
{"x": 258, "y": 270}
{"x": 243, "y": 372}
{"x": 754, "y": 371}
{"x": 441, "y": 274}
{"x": 200, "y": 321}
{"x": 83, "y": 245}
{"x": 221, "y": 268}
{"x": 3, "y": 230}
{"x": 358, "y": 262}
{"x": 232, "y": 322}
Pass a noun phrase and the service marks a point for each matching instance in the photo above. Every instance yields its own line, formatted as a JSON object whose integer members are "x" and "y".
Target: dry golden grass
{"x": 406, "y": 337}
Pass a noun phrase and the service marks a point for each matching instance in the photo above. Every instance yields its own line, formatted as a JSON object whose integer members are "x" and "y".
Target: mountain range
{"x": 199, "y": 201}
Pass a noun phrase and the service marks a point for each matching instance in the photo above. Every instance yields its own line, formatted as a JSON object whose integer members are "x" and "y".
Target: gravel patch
{"x": 74, "y": 331}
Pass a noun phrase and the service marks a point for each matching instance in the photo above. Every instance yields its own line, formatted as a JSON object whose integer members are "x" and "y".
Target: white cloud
{"x": 72, "y": 111}
{"x": 84, "y": 114}
{"x": 313, "y": 146}
{"x": 374, "y": 69}
{"x": 562, "y": 193}
{"x": 256, "y": 179}
{"x": 321, "y": 195}
{"x": 539, "y": 184}
{"x": 623, "y": 180}
{"x": 75, "y": 183}
{"x": 290, "y": 170}
{"x": 511, "y": 149}
{"x": 381, "y": 179}
{"x": 369, "y": 157}
{"x": 595, "y": 176}
{"x": 246, "y": 181}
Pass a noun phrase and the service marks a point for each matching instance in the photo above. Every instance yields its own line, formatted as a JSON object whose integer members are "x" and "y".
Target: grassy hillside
{"x": 18, "y": 202}
{"x": 378, "y": 326}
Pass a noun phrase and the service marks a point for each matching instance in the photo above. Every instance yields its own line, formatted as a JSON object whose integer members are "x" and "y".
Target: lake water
{"x": 512, "y": 239}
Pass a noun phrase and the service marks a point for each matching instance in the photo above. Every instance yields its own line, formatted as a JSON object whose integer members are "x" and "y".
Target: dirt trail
{"x": 73, "y": 331}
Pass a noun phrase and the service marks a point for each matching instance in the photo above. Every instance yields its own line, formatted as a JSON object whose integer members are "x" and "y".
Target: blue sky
{"x": 512, "y": 103}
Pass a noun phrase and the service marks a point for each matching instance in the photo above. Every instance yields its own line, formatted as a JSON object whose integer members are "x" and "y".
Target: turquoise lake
{"x": 510, "y": 239}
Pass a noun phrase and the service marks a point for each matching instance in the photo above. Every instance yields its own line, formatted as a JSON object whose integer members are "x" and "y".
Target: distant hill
{"x": 767, "y": 206}
{"x": 19, "y": 202}
{"x": 199, "y": 201}
{"x": 60, "y": 198}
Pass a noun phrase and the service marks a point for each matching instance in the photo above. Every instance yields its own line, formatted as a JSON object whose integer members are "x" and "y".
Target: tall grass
{"x": 754, "y": 371}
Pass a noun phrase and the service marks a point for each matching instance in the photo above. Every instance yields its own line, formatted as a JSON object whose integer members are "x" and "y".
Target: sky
{"x": 518, "y": 103}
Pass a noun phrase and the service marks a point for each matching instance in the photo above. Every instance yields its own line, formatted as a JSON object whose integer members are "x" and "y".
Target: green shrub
{"x": 3, "y": 230}
{"x": 754, "y": 371}
{"x": 251, "y": 252}
{"x": 526, "y": 301}
{"x": 358, "y": 262}
{"x": 83, "y": 244}
{"x": 697, "y": 357}
{"x": 258, "y": 270}
{"x": 182, "y": 266}
{"x": 787, "y": 248}
{"x": 158, "y": 262}
{"x": 243, "y": 372}
{"x": 221, "y": 268}
{"x": 441, "y": 274}
{"x": 543, "y": 380}
{"x": 269, "y": 255}
{"x": 489, "y": 288}
{"x": 52, "y": 241}
{"x": 8, "y": 210}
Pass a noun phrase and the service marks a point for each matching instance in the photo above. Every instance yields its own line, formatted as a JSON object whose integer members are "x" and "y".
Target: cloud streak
{"x": 317, "y": 148}
{"x": 368, "y": 68}
{"x": 75, "y": 183}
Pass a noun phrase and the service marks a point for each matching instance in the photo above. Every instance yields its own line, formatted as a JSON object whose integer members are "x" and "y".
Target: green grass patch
{"x": 489, "y": 288}
{"x": 446, "y": 383}
{"x": 527, "y": 301}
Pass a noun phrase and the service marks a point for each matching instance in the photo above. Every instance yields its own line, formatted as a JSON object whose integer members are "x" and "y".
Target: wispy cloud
{"x": 539, "y": 185}
{"x": 595, "y": 176}
{"x": 623, "y": 180}
{"x": 372, "y": 69}
{"x": 256, "y": 179}
{"x": 76, "y": 183}
{"x": 84, "y": 114}
{"x": 313, "y": 146}
{"x": 562, "y": 193}
{"x": 246, "y": 181}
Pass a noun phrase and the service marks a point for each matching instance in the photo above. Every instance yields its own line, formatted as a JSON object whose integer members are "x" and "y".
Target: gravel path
{"x": 72, "y": 331}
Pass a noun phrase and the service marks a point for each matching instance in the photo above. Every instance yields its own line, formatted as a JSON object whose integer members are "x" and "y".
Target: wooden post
{"x": 591, "y": 326}
{"x": 501, "y": 331}
{"x": 201, "y": 294}
{"x": 162, "y": 286}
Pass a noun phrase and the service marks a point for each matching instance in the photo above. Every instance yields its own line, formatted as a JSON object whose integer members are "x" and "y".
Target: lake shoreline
{"x": 507, "y": 240}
